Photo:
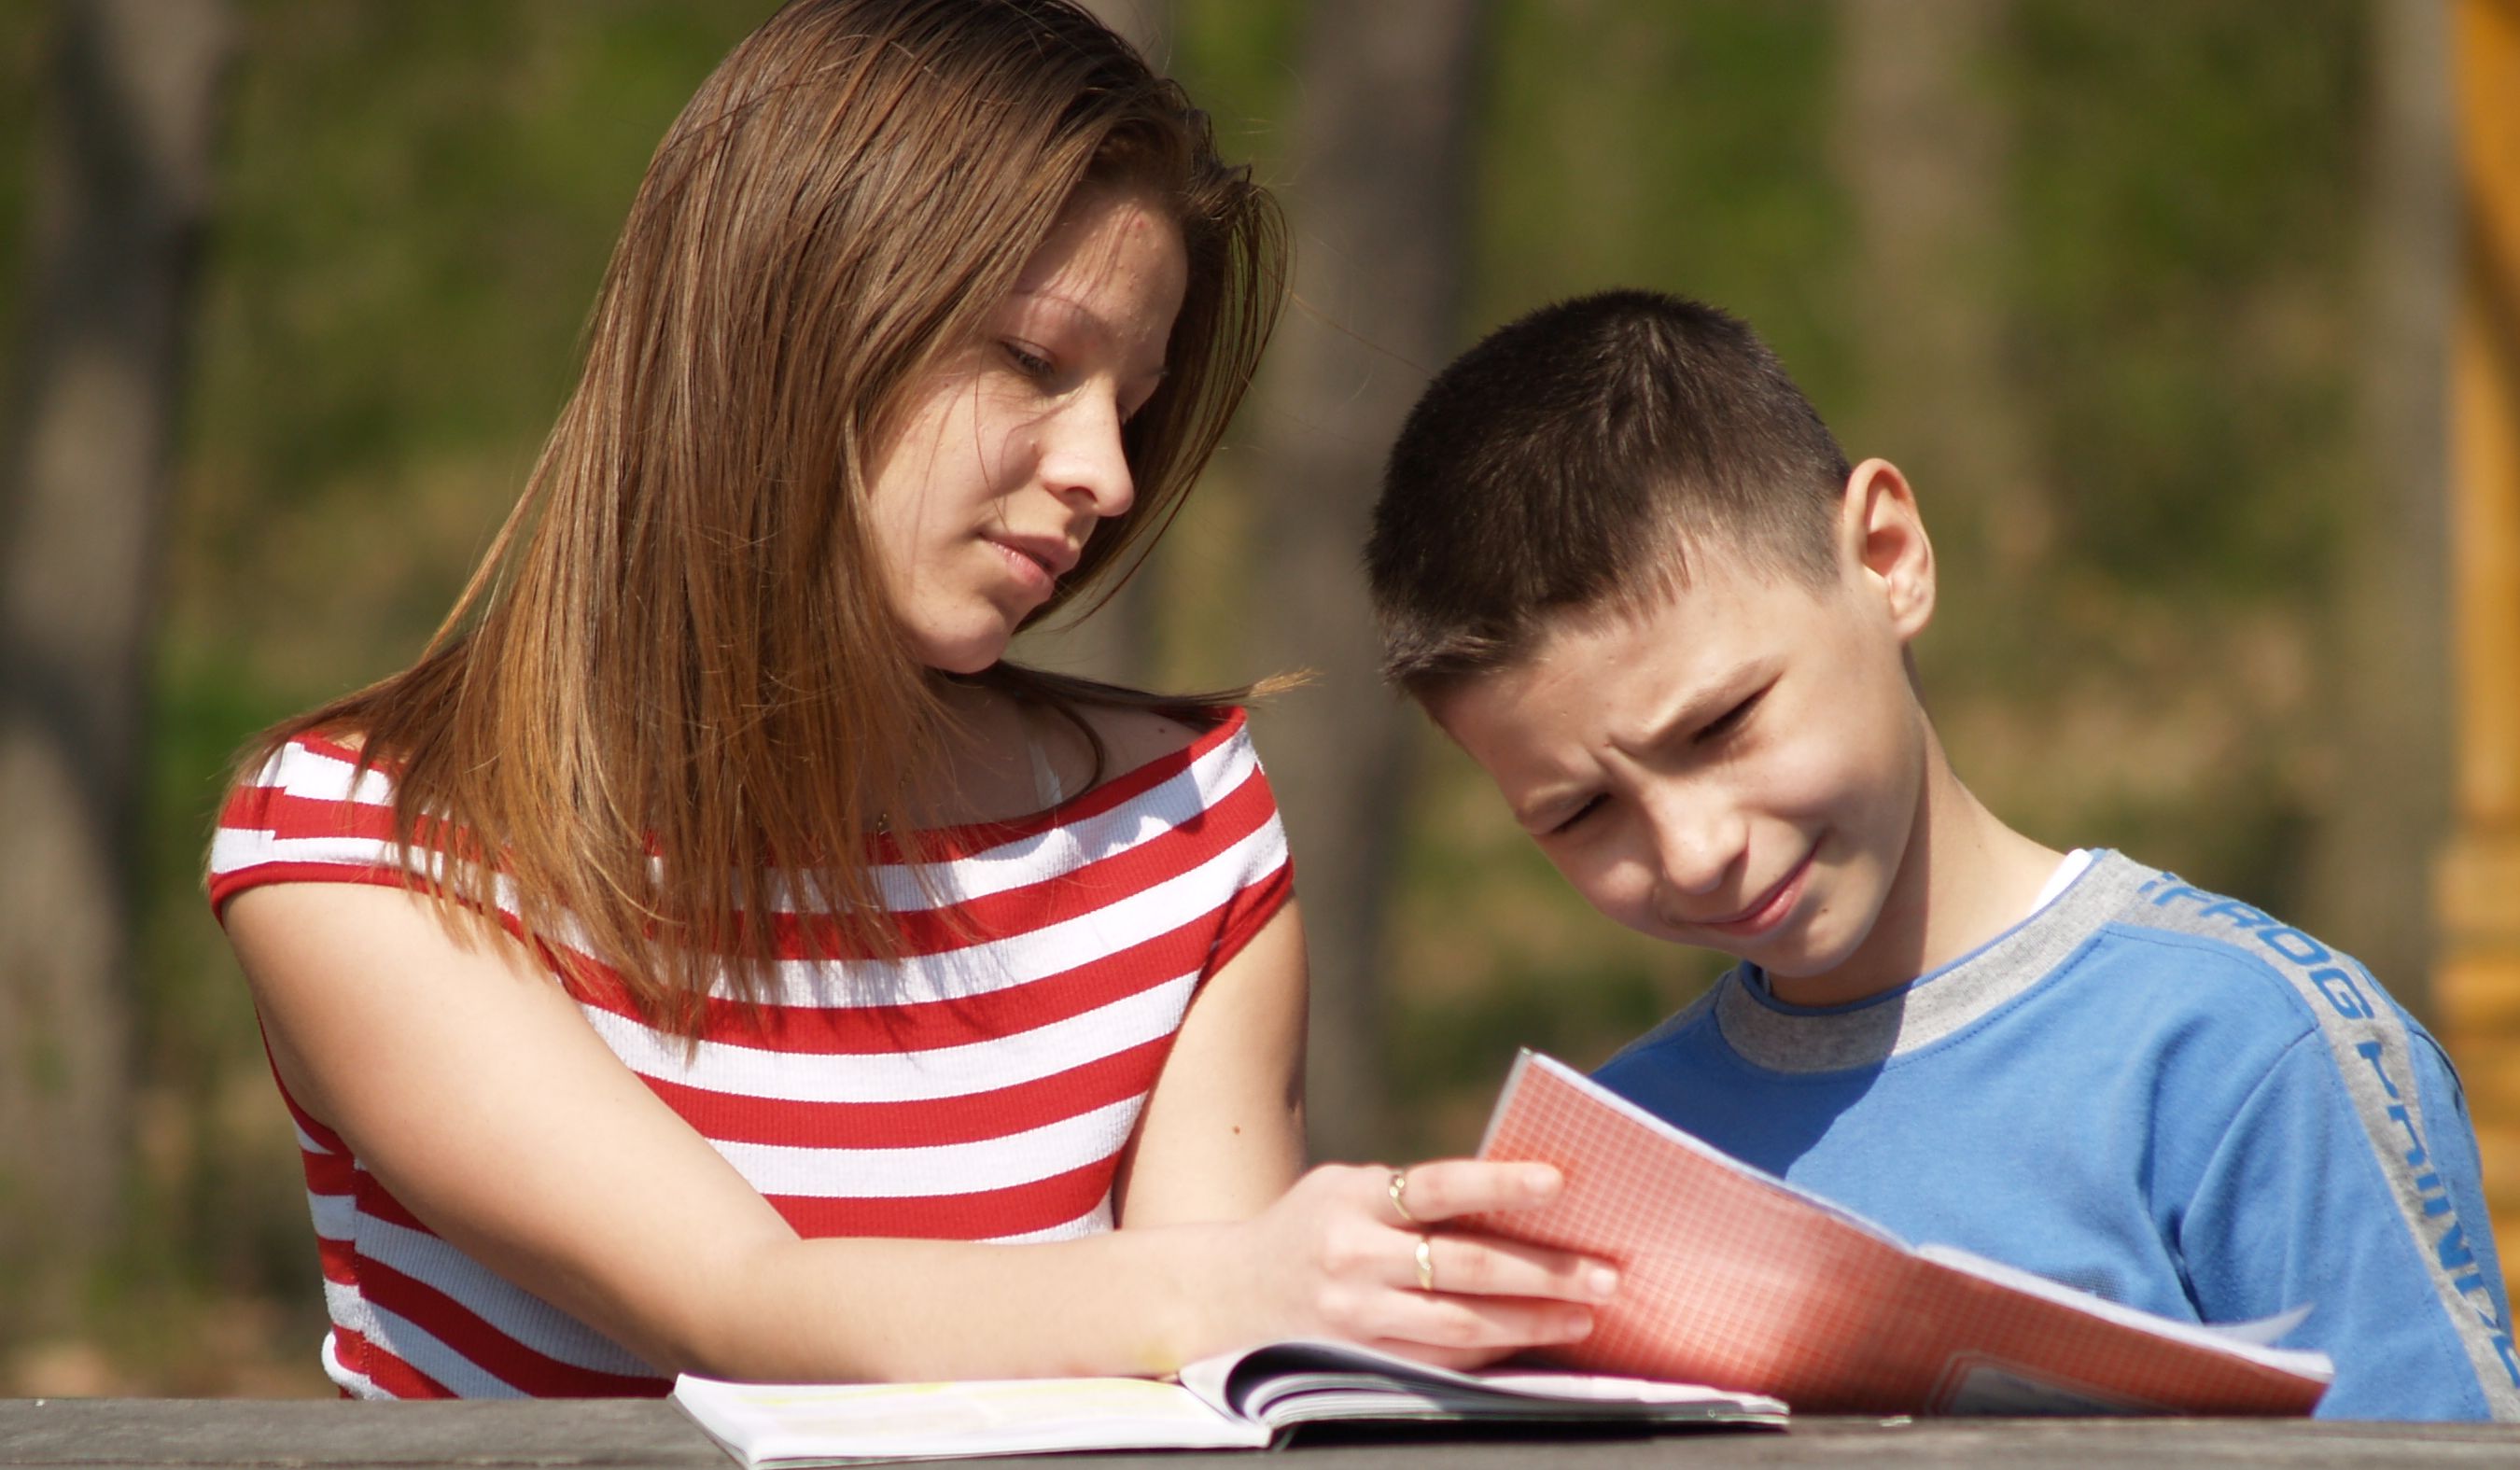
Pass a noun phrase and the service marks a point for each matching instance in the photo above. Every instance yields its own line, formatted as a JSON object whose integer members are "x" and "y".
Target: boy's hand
{"x": 1365, "y": 1254}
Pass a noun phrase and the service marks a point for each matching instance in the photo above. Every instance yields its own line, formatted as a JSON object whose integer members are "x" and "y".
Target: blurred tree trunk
{"x": 122, "y": 183}
{"x": 1378, "y": 199}
{"x": 2371, "y": 870}
{"x": 1118, "y": 643}
{"x": 1922, "y": 146}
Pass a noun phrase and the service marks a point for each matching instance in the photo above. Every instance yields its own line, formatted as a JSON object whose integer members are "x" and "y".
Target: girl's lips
{"x": 1028, "y": 571}
{"x": 1768, "y": 912}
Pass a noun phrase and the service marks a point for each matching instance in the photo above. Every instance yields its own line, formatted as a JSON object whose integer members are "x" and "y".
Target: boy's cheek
{"x": 1616, "y": 891}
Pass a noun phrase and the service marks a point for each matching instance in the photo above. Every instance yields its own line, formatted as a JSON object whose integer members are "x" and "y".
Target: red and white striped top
{"x": 978, "y": 1088}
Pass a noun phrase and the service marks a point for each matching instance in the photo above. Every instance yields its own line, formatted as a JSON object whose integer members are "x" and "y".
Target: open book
{"x": 1730, "y": 1275}
{"x": 1241, "y": 1400}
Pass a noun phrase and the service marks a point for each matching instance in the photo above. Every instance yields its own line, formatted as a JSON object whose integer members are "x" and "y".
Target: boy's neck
{"x": 1965, "y": 879}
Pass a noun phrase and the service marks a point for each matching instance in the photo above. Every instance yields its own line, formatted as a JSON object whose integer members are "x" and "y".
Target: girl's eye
{"x": 1029, "y": 363}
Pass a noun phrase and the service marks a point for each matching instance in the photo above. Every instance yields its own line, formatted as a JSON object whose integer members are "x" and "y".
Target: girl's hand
{"x": 1337, "y": 1257}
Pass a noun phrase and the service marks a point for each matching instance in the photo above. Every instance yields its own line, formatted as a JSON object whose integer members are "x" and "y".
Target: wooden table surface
{"x": 632, "y": 1433}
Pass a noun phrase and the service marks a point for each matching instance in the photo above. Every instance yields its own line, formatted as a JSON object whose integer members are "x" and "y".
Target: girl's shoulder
{"x": 1137, "y": 748}
{"x": 314, "y": 808}
{"x": 1133, "y": 737}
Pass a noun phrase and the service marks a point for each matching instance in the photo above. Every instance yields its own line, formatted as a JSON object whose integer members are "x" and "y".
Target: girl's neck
{"x": 986, "y": 769}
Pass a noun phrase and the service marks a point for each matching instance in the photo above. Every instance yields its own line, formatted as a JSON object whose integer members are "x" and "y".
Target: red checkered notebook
{"x": 1732, "y": 1276}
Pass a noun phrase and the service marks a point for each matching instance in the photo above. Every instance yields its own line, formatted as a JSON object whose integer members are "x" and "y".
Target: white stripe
{"x": 359, "y": 1384}
{"x": 944, "y": 1169}
{"x": 506, "y": 1307}
{"x": 1001, "y": 964}
{"x": 960, "y": 974}
{"x": 301, "y": 772}
{"x": 1092, "y": 1221}
{"x": 1178, "y": 799}
{"x": 347, "y": 849}
{"x": 456, "y": 1373}
{"x": 347, "y": 1308}
{"x": 336, "y": 1216}
{"x": 900, "y": 1076}
{"x": 307, "y": 1141}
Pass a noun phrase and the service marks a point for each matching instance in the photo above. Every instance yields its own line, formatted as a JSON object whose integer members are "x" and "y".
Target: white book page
{"x": 2251, "y": 1339}
{"x": 772, "y": 1424}
{"x": 1308, "y": 1380}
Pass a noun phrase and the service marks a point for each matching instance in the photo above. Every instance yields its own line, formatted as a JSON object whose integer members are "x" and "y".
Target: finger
{"x": 1482, "y": 1266}
{"x": 1451, "y": 1188}
{"x": 1476, "y": 1324}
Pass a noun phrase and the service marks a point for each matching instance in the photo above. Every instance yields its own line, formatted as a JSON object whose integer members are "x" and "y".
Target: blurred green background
{"x": 2117, "y": 327}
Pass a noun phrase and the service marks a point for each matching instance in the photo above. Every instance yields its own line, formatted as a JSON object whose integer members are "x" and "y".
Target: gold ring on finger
{"x": 1398, "y": 1189}
{"x": 1426, "y": 1262}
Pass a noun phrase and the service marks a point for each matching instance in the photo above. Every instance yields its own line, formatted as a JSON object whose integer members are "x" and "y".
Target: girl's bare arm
{"x": 474, "y": 1090}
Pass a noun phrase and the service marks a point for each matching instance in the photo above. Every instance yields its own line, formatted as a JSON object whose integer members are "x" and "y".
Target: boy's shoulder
{"x": 2250, "y": 952}
{"x": 2126, "y": 951}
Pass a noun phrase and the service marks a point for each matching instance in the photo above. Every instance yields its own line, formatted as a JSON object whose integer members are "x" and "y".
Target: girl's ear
{"x": 1884, "y": 546}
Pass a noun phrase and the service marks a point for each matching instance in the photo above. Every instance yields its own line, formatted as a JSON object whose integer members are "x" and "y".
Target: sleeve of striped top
{"x": 1268, "y": 880}
{"x": 308, "y": 816}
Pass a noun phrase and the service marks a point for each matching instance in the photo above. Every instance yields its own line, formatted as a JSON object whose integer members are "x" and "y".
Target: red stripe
{"x": 737, "y": 1118}
{"x": 244, "y": 807}
{"x": 333, "y": 749}
{"x": 329, "y": 1172}
{"x": 1249, "y": 913}
{"x": 284, "y": 813}
{"x": 1244, "y": 810}
{"x": 377, "y": 1202}
{"x": 1016, "y": 1211}
{"x": 226, "y": 885}
{"x": 950, "y": 843}
{"x": 397, "y": 1378}
{"x": 488, "y": 1349}
{"x": 929, "y": 1025}
{"x": 339, "y": 1259}
{"x": 305, "y": 1120}
{"x": 284, "y": 816}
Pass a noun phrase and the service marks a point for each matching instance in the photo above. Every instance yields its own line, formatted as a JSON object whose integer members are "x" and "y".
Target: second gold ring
{"x": 1426, "y": 1262}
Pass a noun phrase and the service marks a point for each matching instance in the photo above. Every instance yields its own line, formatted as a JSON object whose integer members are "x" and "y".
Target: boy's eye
{"x": 1726, "y": 723}
{"x": 1579, "y": 814}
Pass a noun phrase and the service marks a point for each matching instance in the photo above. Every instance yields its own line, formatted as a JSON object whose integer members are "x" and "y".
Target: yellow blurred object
{"x": 2477, "y": 992}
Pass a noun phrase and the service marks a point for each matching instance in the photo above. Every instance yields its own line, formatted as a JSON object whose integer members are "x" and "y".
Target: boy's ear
{"x": 1885, "y": 547}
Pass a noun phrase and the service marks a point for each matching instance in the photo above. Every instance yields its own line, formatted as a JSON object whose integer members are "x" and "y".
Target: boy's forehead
{"x": 1621, "y": 671}
{"x": 1578, "y": 667}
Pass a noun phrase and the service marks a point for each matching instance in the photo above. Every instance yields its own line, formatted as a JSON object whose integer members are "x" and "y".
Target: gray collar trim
{"x": 1768, "y": 1033}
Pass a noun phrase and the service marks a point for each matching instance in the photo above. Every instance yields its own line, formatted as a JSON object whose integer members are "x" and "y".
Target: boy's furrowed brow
{"x": 1686, "y": 706}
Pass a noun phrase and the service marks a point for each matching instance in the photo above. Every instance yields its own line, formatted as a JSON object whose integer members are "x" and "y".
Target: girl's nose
{"x": 1082, "y": 459}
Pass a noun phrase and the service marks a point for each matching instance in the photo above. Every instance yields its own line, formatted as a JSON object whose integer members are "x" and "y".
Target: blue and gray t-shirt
{"x": 2149, "y": 1091}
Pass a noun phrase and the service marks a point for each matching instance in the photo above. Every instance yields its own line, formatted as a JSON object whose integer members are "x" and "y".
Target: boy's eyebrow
{"x": 1687, "y": 708}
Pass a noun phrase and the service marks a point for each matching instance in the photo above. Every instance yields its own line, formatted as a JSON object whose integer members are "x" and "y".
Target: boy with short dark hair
{"x": 1622, "y": 561}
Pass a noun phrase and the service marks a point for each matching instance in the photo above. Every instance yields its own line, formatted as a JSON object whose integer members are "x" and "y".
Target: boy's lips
{"x": 1766, "y": 911}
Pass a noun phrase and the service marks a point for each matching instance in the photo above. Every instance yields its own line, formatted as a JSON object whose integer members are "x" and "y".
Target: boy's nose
{"x": 1693, "y": 851}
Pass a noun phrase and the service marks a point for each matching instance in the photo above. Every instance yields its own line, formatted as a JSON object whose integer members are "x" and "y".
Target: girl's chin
{"x": 962, "y": 651}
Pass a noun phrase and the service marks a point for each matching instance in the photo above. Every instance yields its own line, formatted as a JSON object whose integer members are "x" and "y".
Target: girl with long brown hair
{"x": 710, "y": 955}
